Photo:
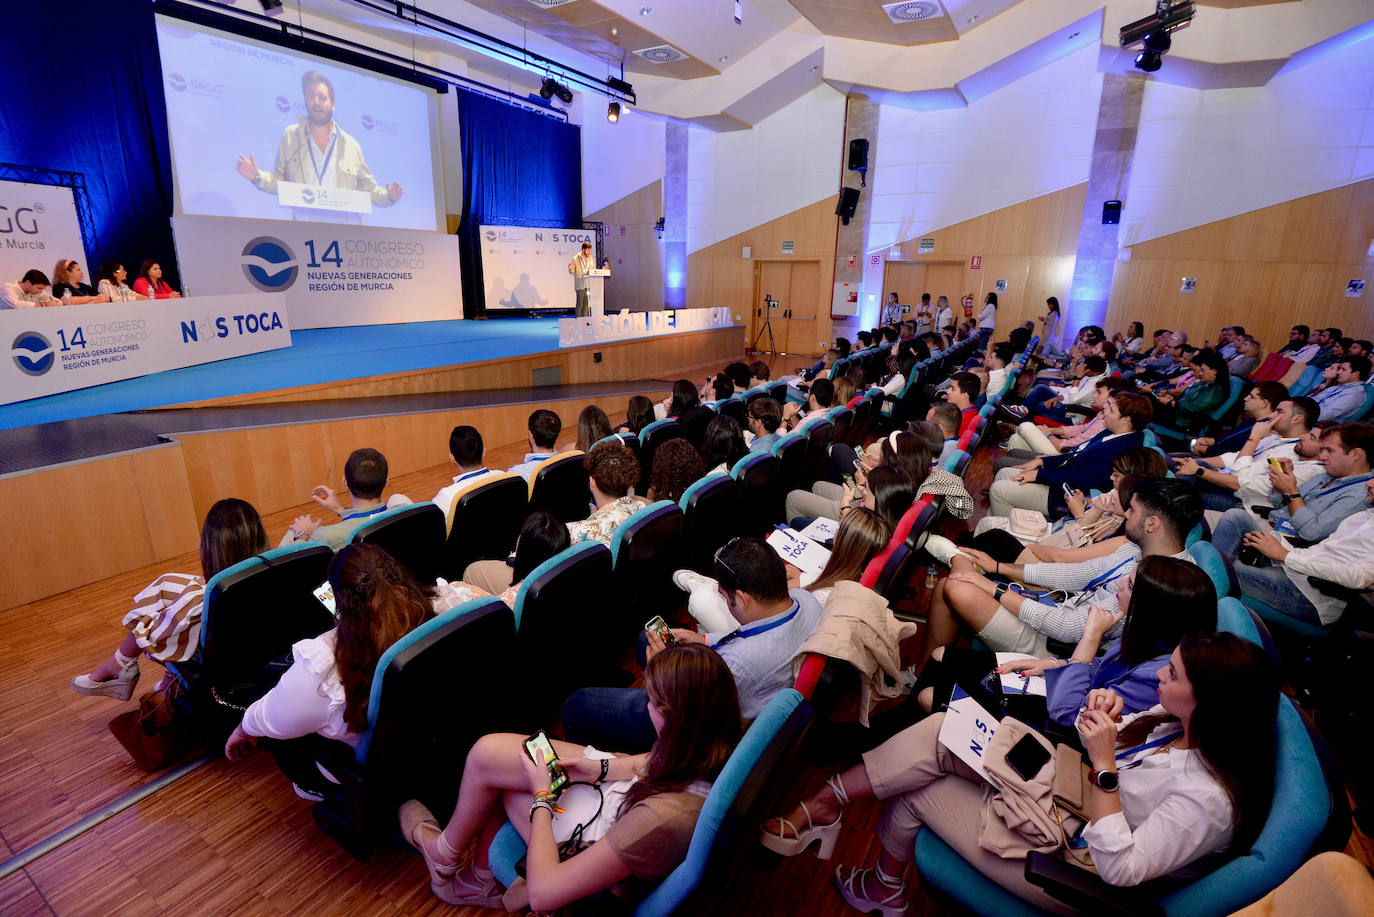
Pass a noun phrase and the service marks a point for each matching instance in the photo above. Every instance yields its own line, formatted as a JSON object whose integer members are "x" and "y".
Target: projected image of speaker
{"x": 849, "y": 202}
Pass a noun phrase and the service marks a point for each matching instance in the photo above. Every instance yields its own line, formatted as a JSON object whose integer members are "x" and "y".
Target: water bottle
{"x": 931, "y": 578}
{"x": 67, "y": 296}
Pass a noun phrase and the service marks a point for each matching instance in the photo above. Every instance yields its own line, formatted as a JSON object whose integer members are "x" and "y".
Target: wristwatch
{"x": 1107, "y": 781}
{"x": 1001, "y": 591}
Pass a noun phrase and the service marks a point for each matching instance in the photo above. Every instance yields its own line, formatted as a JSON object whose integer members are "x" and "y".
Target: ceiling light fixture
{"x": 613, "y": 112}
{"x": 645, "y": 10}
{"x": 1153, "y": 32}
{"x": 722, "y": 59}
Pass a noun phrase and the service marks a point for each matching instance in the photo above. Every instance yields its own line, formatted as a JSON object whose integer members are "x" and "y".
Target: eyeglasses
{"x": 716, "y": 559}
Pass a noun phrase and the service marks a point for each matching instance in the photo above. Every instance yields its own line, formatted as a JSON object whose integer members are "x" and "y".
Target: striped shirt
{"x": 165, "y": 619}
{"x": 1065, "y": 622}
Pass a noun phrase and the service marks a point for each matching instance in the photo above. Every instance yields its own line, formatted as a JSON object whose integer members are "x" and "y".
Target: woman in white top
{"x": 376, "y": 603}
{"x": 987, "y": 320}
{"x": 111, "y": 283}
{"x": 944, "y": 315}
{"x": 1173, "y": 785}
{"x": 1049, "y": 329}
{"x": 1133, "y": 340}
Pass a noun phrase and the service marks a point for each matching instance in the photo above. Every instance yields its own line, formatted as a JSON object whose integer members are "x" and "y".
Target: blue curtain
{"x": 84, "y": 94}
{"x": 518, "y": 167}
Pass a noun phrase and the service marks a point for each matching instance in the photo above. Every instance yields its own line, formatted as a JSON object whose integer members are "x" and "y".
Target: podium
{"x": 596, "y": 290}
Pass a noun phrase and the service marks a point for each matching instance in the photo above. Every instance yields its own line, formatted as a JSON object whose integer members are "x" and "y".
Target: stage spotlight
{"x": 613, "y": 112}
{"x": 1158, "y": 41}
{"x": 1149, "y": 61}
{"x": 563, "y": 92}
{"x": 547, "y": 88}
{"x": 272, "y": 7}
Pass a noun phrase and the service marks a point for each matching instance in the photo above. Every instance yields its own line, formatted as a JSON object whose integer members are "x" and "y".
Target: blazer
{"x": 1088, "y": 467}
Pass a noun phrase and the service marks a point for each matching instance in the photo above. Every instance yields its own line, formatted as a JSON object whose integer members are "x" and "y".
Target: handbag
{"x": 156, "y": 733}
{"x": 1027, "y": 522}
{"x": 1072, "y": 794}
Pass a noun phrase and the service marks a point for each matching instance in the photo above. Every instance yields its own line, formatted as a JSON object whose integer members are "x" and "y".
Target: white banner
{"x": 625, "y": 325}
{"x": 38, "y": 225}
{"x": 331, "y": 275}
{"x": 526, "y": 267}
{"x": 63, "y": 348}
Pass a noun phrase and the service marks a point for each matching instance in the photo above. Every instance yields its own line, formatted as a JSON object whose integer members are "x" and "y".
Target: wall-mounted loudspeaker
{"x": 858, "y": 155}
{"x": 849, "y": 202}
{"x": 1111, "y": 212}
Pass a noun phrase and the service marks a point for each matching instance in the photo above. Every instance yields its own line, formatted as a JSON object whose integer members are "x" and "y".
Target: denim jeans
{"x": 1271, "y": 585}
{"x": 1035, "y": 404}
{"x": 612, "y": 719}
{"x": 1230, "y": 529}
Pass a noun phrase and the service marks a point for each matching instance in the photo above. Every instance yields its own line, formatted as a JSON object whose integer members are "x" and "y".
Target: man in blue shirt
{"x": 764, "y": 417}
{"x": 544, "y": 427}
{"x": 1312, "y": 511}
{"x": 1345, "y": 400}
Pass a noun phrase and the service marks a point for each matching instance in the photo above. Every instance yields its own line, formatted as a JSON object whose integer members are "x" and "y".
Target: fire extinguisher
{"x": 968, "y": 306}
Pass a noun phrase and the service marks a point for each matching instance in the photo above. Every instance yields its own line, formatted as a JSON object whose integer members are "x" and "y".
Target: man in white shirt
{"x": 466, "y": 450}
{"x": 582, "y": 286}
{"x": 1051, "y": 401}
{"x": 1241, "y": 478}
{"x": 544, "y": 428}
{"x": 31, "y": 290}
{"x": 1300, "y": 349}
{"x": 1346, "y": 557}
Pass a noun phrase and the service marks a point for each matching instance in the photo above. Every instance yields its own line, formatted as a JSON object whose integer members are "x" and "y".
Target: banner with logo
{"x": 64, "y": 348}
{"x": 526, "y": 267}
{"x": 38, "y": 225}
{"x": 331, "y": 275}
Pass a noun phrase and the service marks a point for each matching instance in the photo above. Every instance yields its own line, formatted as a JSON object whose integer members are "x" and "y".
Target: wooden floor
{"x": 234, "y": 838}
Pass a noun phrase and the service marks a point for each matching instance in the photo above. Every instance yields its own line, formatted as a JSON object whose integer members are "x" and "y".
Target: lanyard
{"x": 366, "y": 512}
{"x": 471, "y": 474}
{"x": 1107, "y": 577}
{"x": 744, "y": 632}
{"x": 1162, "y": 740}
{"x": 319, "y": 170}
{"x": 1331, "y": 490}
{"x": 1282, "y": 442}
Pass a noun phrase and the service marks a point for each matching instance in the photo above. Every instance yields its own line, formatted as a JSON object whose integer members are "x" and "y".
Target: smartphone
{"x": 1068, "y": 491}
{"x": 1027, "y": 757}
{"x": 325, "y": 593}
{"x": 558, "y": 778}
{"x": 659, "y": 626}
{"x": 849, "y": 483}
{"x": 1275, "y": 464}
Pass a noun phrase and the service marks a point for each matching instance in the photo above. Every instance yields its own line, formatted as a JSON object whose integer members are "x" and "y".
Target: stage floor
{"x": 315, "y": 356}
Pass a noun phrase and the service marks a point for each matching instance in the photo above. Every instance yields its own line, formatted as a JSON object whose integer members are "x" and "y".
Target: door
{"x": 800, "y": 311}
{"x": 771, "y": 279}
{"x": 946, "y": 278}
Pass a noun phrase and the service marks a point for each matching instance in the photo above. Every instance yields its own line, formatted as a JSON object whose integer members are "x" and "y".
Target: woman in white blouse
{"x": 987, "y": 320}
{"x": 1172, "y": 786}
{"x": 376, "y": 603}
{"x": 111, "y": 283}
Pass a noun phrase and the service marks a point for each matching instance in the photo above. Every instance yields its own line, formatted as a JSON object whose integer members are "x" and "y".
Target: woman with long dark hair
{"x": 592, "y": 427}
{"x": 165, "y": 620}
{"x": 724, "y": 445}
{"x": 676, "y": 467}
{"x": 1186, "y": 779}
{"x": 987, "y": 320}
{"x": 638, "y": 415}
{"x": 650, "y": 801}
{"x": 376, "y": 602}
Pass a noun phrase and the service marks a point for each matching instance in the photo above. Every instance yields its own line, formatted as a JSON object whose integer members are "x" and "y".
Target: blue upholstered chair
{"x": 710, "y": 518}
{"x": 416, "y": 740}
{"x": 1216, "y": 567}
{"x": 817, "y": 457}
{"x": 486, "y": 522}
{"x": 842, "y": 417}
{"x": 253, "y": 612}
{"x": 650, "y": 438}
{"x": 760, "y": 495}
{"x": 560, "y": 487}
{"x": 728, "y": 820}
{"x": 1309, "y": 814}
{"x": 413, "y": 534}
{"x": 645, "y": 550}
{"x": 562, "y": 622}
{"x": 791, "y": 454}
{"x": 1212, "y": 419}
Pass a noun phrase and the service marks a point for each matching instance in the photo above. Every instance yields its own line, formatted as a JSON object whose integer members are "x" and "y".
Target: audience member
{"x": 165, "y": 620}
{"x": 29, "y": 291}
{"x": 819, "y": 398}
{"x": 467, "y": 451}
{"x": 612, "y": 469}
{"x": 758, "y": 373}
{"x": 326, "y": 690}
{"x": 1051, "y": 400}
{"x": 544, "y": 429}
{"x": 1241, "y": 478}
{"x": 676, "y": 467}
{"x": 1299, "y": 348}
{"x": 764, "y": 417}
{"x": 963, "y": 394}
{"x": 1247, "y": 358}
{"x": 948, "y": 418}
{"x": 1260, "y": 402}
{"x": 150, "y": 283}
{"x": 592, "y": 427}
{"x": 638, "y": 415}
{"x": 1346, "y": 399}
{"x": 650, "y": 801}
{"x": 724, "y": 445}
{"x": 67, "y": 277}
{"x": 364, "y": 478}
{"x": 987, "y": 320}
{"x": 1032, "y": 439}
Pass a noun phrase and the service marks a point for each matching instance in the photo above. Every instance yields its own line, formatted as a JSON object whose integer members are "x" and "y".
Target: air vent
{"x": 550, "y": 4}
{"x": 661, "y": 54}
{"x": 913, "y": 10}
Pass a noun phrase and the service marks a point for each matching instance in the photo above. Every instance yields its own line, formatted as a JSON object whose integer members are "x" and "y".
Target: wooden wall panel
{"x": 1267, "y": 270}
{"x": 718, "y": 276}
{"x": 91, "y": 520}
{"x": 636, "y": 280}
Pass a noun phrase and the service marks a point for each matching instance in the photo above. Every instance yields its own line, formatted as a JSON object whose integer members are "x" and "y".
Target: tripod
{"x": 769, "y": 304}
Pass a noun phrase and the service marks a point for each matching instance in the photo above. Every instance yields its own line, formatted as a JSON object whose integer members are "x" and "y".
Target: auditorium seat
{"x": 650, "y": 438}
{"x": 645, "y": 550}
{"x": 560, "y": 487}
{"x": 253, "y": 612}
{"x": 416, "y": 738}
{"x": 565, "y": 622}
{"x": 817, "y": 458}
{"x": 413, "y": 534}
{"x": 791, "y": 453}
{"x": 710, "y": 518}
{"x": 842, "y": 420}
{"x": 734, "y": 408}
{"x": 727, "y": 826}
{"x": 486, "y": 522}
{"x": 760, "y": 497}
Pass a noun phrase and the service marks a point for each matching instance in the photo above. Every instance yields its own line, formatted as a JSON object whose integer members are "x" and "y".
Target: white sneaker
{"x": 689, "y": 580}
{"x": 307, "y": 795}
{"x": 941, "y": 548}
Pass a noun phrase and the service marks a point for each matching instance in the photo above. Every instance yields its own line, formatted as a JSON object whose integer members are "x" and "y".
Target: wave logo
{"x": 177, "y": 82}
{"x": 283, "y": 104}
{"x": 491, "y": 235}
{"x": 308, "y": 195}
{"x": 33, "y": 353}
{"x": 368, "y": 122}
{"x": 269, "y": 264}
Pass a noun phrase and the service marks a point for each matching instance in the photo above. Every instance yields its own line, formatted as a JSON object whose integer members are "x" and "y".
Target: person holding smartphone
{"x": 1187, "y": 778}
{"x": 650, "y": 802}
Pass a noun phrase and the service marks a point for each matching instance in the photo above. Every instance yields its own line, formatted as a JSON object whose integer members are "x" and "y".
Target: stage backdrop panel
{"x": 331, "y": 275}
{"x": 38, "y": 225}
{"x": 526, "y": 267}
{"x": 64, "y": 348}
